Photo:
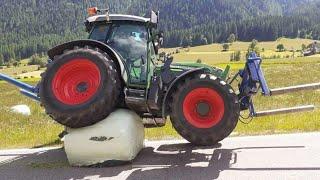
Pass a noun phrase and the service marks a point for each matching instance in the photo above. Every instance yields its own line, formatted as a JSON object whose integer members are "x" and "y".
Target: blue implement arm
{"x": 26, "y": 89}
{"x": 253, "y": 79}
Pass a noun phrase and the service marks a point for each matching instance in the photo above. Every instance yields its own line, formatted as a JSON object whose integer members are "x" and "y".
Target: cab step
{"x": 149, "y": 121}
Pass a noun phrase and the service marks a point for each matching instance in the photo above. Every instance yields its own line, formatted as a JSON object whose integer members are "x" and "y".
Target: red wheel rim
{"x": 203, "y": 108}
{"x": 76, "y": 81}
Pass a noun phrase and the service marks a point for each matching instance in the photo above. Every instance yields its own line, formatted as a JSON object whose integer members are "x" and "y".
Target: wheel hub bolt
{"x": 82, "y": 87}
{"x": 203, "y": 109}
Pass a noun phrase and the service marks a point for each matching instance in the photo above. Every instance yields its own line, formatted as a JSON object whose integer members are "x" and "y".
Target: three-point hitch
{"x": 253, "y": 79}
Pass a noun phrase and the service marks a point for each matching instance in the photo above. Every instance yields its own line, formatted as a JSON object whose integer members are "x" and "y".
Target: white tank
{"x": 21, "y": 109}
{"x": 118, "y": 138}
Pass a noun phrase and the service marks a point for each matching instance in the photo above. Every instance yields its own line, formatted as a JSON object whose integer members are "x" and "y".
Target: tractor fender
{"x": 92, "y": 43}
{"x": 174, "y": 83}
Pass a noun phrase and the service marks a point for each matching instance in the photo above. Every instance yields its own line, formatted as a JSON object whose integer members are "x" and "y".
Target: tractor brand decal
{"x": 101, "y": 138}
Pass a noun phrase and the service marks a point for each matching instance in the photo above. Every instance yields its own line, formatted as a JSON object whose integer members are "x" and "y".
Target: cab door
{"x": 131, "y": 41}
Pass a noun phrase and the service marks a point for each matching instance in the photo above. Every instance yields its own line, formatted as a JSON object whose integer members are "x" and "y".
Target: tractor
{"x": 120, "y": 66}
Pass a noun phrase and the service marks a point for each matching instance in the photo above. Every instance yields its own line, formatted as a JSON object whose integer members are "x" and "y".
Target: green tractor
{"x": 119, "y": 67}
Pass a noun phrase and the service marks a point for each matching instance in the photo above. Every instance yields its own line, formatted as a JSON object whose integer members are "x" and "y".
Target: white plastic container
{"x": 21, "y": 109}
{"x": 118, "y": 138}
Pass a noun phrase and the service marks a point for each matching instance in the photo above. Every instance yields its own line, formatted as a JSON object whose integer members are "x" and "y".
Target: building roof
{"x": 118, "y": 17}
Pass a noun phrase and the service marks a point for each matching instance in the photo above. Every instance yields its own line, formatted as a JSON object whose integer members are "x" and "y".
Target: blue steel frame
{"x": 26, "y": 89}
{"x": 252, "y": 80}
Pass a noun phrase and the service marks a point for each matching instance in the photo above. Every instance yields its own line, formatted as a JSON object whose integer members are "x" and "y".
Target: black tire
{"x": 208, "y": 135}
{"x": 100, "y": 103}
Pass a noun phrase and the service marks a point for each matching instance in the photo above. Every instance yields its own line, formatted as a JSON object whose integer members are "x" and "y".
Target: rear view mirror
{"x": 159, "y": 41}
{"x": 88, "y": 26}
{"x": 154, "y": 17}
{"x": 160, "y": 38}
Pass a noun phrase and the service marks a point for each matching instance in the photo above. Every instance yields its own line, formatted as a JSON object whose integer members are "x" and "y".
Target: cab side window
{"x": 130, "y": 41}
{"x": 99, "y": 32}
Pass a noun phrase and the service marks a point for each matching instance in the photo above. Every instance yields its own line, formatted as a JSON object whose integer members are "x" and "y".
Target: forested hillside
{"x": 33, "y": 26}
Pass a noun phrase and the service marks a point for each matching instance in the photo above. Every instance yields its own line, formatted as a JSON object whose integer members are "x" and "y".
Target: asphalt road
{"x": 294, "y": 156}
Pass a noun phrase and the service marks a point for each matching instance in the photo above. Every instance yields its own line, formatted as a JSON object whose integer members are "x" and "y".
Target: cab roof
{"x": 117, "y": 17}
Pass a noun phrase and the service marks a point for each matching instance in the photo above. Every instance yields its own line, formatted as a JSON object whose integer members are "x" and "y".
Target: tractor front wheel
{"x": 205, "y": 109}
{"x": 80, "y": 87}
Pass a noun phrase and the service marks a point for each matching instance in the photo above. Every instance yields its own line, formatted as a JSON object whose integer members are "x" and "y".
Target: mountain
{"x": 33, "y": 26}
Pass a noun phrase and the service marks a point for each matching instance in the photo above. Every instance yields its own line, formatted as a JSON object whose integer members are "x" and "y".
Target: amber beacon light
{"x": 92, "y": 11}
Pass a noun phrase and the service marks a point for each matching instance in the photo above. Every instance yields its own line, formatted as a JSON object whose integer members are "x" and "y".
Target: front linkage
{"x": 253, "y": 79}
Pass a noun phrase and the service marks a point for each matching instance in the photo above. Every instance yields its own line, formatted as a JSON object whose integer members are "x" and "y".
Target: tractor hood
{"x": 180, "y": 68}
{"x": 189, "y": 66}
{"x": 192, "y": 65}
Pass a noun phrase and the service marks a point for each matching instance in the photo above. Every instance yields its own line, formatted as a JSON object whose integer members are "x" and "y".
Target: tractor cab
{"x": 131, "y": 37}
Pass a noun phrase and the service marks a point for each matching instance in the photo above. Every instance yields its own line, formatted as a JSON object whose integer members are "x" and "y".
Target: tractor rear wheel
{"x": 80, "y": 87}
{"x": 204, "y": 110}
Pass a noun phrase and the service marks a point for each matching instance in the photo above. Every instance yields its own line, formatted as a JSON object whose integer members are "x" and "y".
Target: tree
{"x": 15, "y": 63}
{"x": 25, "y": 38}
{"x": 225, "y": 47}
{"x": 36, "y": 60}
{"x": 236, "y": 56}
{"x": 253, "y": 44}
{"x": 204, "y": 40}
{"x": 232, "y": 57}
{"x": 209, "y": 37}
{"x": 232, "y": 38}
{"x": 1, "y": 60}
{"x": 253, "y": 48}
{"x": 196, "y": 40}
{"x": 280, "y": 47}
{"x": 199, "y": 61}
{"x": 186, "y": 41}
